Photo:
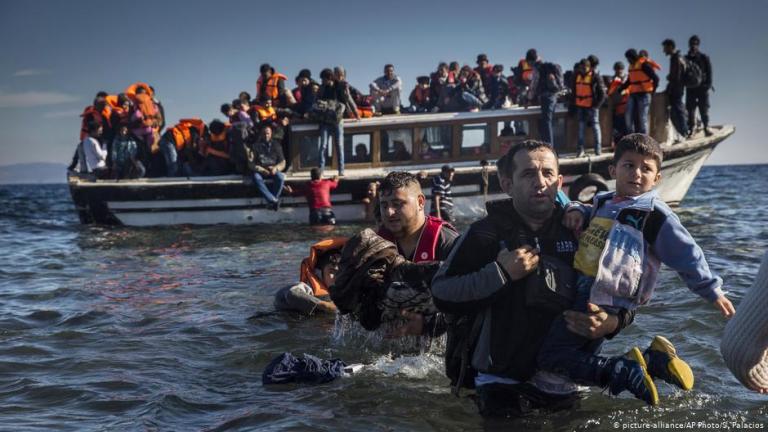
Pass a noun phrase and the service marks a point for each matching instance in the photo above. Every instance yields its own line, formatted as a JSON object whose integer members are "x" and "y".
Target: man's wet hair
{"x": 641, "y": 144}
{"x": 315, "y": 173}
{"x": 531, "y": 55}
{"x": 397, "y": 180}
{"x": 631, "y": 54}
{"x": 506, "y": 164}
{"x": 593, "y": 60}
{"x": 331, "y": 257}
{"x": 668, "y": 42}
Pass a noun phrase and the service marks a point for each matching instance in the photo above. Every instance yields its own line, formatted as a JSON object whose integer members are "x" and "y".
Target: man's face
{"x": 483, "y": 64}
{"x": 389, "y": 72}
{"x": 303, "y": 82}
{"x": 402, "y": 210}
{"x": 668, "y": 49}
{"x": 635, "y": 174}
{"x": 448, "y": 175}
{"x": 329, "y": 270}
{"x": 534, "y": 183}
{"x": 268, "y": 133}
{"x": 694, "y": 47}
{"x": 267, "y": 74}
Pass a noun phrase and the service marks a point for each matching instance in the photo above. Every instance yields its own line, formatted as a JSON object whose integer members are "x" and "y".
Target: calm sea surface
{"x": 170, "y": 329}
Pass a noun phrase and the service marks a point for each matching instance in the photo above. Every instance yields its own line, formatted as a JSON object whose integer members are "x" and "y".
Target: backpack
{"x": 693, "y": 76}
{"x": 327, "y": 111}
{"x": 546, "y": 85}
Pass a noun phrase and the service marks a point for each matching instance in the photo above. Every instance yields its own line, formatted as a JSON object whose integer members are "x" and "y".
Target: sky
{"x": 56, "y": 55}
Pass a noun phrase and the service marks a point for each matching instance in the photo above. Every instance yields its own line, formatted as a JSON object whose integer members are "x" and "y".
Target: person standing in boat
{"x": 419, "y": 238}
{"x": 266, "y": 161}
{"x": 546, "y": 85}
{"x": 442, "y": 202}
{"x": 642, "y": 83}
{"x": 589, "y": 95}
{"x": 385, "y": 91}
{"x": 676, "y": 87}
{"x": 91, "y": 156}
{"x": 619, "y": 100}
{"x": 335, "y": 88}
{"x": 698, "y": 97}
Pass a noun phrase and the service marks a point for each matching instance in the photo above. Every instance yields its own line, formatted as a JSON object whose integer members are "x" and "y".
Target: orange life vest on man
{"x": 526, "y": 71}
{"x": 271, "y": 87}
{"x": 308, "y": 264}
{"x": 426, "y": 249}
{"x": 584, "y": 90}
{"x": 265, "y": 113}
{"x": 621, "y": 107}
{"x": 91, "y": 114}
{"x": 219, "y": 145}
{"x": 182, "y": 135}
{"x": 130, "y": 91}
{"x": 639, "y": 81}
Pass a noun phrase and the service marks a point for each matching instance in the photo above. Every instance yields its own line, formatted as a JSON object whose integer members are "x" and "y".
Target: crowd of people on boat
{"x": 125, "y": 135}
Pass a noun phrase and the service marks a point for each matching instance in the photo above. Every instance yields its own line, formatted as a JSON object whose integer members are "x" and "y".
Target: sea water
{"x": 115, "y": 328}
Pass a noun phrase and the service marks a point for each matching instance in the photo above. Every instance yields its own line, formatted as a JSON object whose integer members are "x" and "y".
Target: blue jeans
{"x": 589, "y": 117}
{"x": 677, "y": 112}
{"x": 572, "y": 355}
{"x": 337, "y": 131}
{"x": 638, "y": 105}
{"x": 547, "y": 118}
{"x": 471, "y": 101}
{"x": 270, "y": 194}
{"x": 168, "y": 149}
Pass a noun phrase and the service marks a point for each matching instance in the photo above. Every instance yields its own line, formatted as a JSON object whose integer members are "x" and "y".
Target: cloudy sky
{"x": 57, "y": 54}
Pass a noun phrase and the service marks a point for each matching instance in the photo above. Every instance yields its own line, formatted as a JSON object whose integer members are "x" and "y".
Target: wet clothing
{"x": 318, "y": 193}
{"x": 298, "y": 297}
{"x": 306, "y": 369}
{"x": 322, "y": 216}
{"x": 442, "y": 188}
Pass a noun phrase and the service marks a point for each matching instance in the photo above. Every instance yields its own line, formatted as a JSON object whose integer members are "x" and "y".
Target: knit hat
{"x": 745, "y": 340}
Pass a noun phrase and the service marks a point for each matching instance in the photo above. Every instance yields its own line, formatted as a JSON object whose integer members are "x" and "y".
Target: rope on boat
{"x": 745, "y": 340}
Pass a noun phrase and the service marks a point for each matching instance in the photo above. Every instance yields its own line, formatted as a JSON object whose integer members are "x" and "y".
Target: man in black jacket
{"x": 698, "y": 97}
{"x": 265, "y": 159}
{"x": 675, "y": 86}
{"x": 494, "y": 276}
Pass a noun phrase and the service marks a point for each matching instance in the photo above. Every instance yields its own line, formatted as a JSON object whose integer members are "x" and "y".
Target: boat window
{"x": 396, "y": 144}
{"x": 357, "y": 148}
{"x": 309, "y": 151}
{"x": 435, "y": 142}
{"x": 511, "y": 132}
{"x": 474, "y": 139}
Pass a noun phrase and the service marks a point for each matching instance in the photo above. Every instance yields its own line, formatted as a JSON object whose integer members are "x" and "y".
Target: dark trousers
{"x": 677, "y": 111}
{"x": 548, "y": 103}
{"x": 516, "y": 400}
{"x": 619, "y": 126}
{"x": 322, "y": 216}
{"x": 697, "y": 98}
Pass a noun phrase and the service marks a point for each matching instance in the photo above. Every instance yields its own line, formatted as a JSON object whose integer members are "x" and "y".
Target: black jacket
{"x": 705, "y": 65}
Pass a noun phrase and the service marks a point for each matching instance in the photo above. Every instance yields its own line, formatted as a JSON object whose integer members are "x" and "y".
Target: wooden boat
{"x": 420, "y": 143}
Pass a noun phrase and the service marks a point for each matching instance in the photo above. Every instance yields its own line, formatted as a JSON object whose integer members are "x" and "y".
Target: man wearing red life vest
{"x": 418, "y": 237}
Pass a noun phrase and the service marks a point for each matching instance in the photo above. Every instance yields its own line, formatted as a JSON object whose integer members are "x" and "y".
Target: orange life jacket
{"x": 271, "y": 88}
{"x": 182, "y": 136}
{"x": 308, "y": 265}
{"x": 653, "y": 64}
{"x": 365, "y": 112}
{"x": 149, "y": 111}
{"x": 91, "y": 114}
{"x": 584, "y": 90}
{"x": 526, "y": 71}
{"x": 219, "y": 146}
{"x": 621, "y": 107}
{"x": 112, "y": 101}
{"x": 130, "y": 91}
{"x": 265, "y": 113}
{"x": 639, "y": 81}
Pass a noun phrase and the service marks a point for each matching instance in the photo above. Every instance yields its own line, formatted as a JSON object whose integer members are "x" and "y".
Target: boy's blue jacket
{"x": 629, "y": 264}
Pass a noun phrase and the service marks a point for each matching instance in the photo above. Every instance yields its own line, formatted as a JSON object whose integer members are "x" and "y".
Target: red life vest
{"x": 526, "y": 71}
{"x": 430, "y": 234}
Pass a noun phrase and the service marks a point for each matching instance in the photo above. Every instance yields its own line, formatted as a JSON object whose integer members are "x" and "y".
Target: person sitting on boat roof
{"x": 442, "y": 201}
{"x": 318, "y": 194}
{"x": 676, "y": 88}
{"x": 266, "y": 161}
{"x": 421, "y": 97}
{"x": 385, "y": 91}
{"x": 91, "y": 156}
{"x": 317, "y": 273}
{"x": 546, "y": 85}
{"x": 627, "y": 235}
{"x": 216, "y": 151}
{"x": 619, "y": 100}
{"x": 125, "y": 155}
{"x": 642, "y": 83}
{"x": 698, "y": 97}
{"x": 242, "y": 116}
{"x": 303, "y": 93}
{"x": 484, "y": 69}
{"x": 270, "y": 84}
{"x": 439, "y": 80}
{"x": 497, "y": 88}
{"x": 418, "y": 237}
{"x": 472, "y": 92}
{"x": 523, "y": 75}
{"x": 266, "y": 114}
{"x": 589, "y": 95}
{"x": 229, "y": 113}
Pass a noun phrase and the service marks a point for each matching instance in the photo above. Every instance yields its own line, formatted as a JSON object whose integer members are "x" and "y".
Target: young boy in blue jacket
{"x": 630, "y": 233}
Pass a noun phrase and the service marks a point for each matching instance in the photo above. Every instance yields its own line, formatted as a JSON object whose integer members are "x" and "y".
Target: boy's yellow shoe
{"x": 630, "y": 373}
{"x": 663, "y": 362}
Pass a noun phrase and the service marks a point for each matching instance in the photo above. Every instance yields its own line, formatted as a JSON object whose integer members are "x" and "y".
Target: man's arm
{"x": 648, "y": 69}
{"x": 437, "y": 203}
{"x": 597, "y": 323}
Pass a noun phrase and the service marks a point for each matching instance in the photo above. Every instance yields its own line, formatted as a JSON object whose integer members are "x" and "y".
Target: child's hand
{"x": 574, "y": 220}
{"x": 725, "y": 306}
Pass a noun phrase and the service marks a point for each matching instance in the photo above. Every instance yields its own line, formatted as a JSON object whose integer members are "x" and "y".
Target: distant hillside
{"x": 27, "y": 173}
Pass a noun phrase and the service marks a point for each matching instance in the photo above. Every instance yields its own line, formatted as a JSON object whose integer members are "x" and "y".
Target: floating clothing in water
{"x": 309, "y": 369}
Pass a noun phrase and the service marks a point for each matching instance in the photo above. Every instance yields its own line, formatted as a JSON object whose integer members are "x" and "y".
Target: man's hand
{"x": 574, "y": 220}
{"x": 725, "y": 306}
{"x": 272, "y": 170}
{"x": 335, "y": 178}
{"x": 593, "y": 324}
{"x": 413, "y": 325}
{"x": 519, "y": 262}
